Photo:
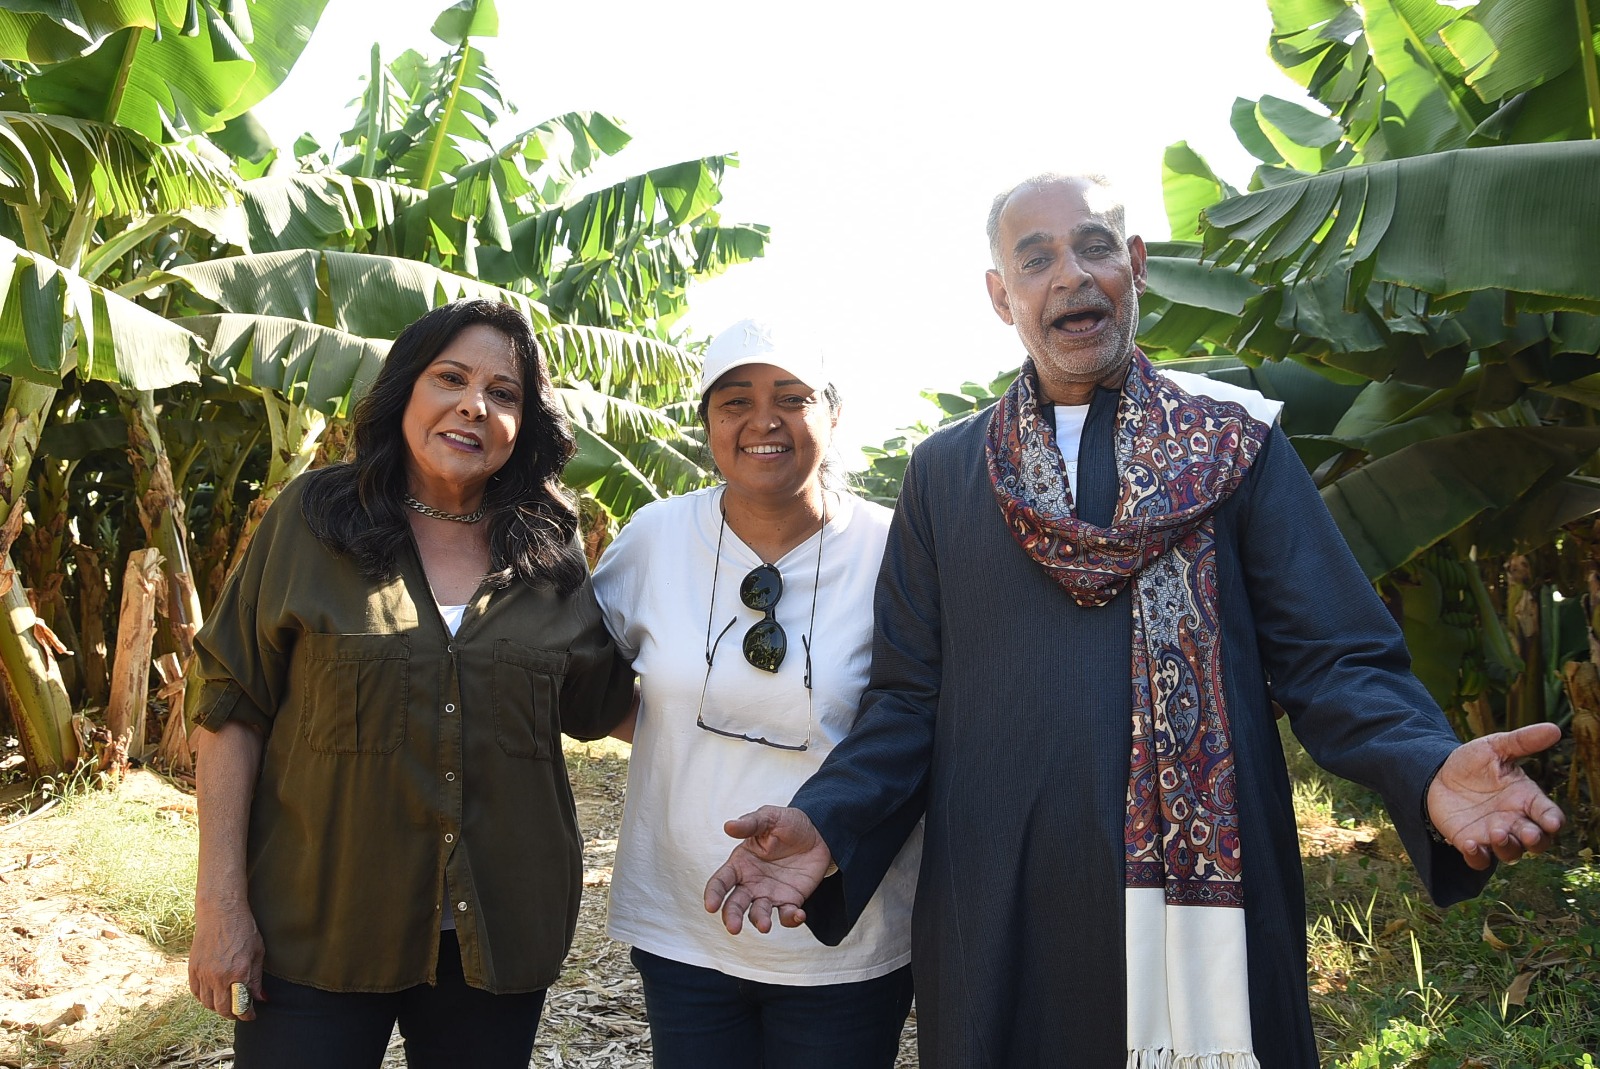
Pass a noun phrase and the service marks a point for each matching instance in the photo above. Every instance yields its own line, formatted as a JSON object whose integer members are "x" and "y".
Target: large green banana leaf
{"x": 1313, "y": 404}
{"x": 1422, "y": 79}
{"x": 645, "y": 454}
{"x": 1188, "y": 185}
{"x": 368, "y": 296}
{"x": 1512, "y": 46}
{"x": 606, "y": 472}
{"x": 625, "y": 479}
{"x": 108, "y": 434}
{"x": 193, "y": 82}
{"x": 1516, "y": 218}
{"x": 478, "y": 223}
{"x": 57, "y": 30}
{"x": 603, "y": 225}
{"x": 303, "y": 363}
{"x": 52, "y": 159}
{"x": 316, "y": 211}
{"x": 1397, "y": 506}
{"x": 613, "y": 359}
{"x": 54, "y": 322}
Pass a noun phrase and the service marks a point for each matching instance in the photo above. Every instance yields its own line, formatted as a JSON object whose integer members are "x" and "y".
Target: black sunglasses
{"x": 765, "y": 644}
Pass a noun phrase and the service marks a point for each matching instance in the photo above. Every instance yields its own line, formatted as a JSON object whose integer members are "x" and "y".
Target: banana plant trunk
{"x": 39, "y": 701}
{"x": 162, "y": 514}
{"x": 1525, "y": 702}
{"x": 92, "y": 599}
{"x": 296, "y": 432}
{"x": 142, "y": 591}
{"x": 44, "y": 562}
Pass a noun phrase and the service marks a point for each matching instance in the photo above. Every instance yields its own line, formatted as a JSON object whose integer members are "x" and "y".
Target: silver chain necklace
{"x": 440, "y": 514}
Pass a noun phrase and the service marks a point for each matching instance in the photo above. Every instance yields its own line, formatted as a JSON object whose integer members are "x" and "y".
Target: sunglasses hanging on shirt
{"x": 765, "y": 643}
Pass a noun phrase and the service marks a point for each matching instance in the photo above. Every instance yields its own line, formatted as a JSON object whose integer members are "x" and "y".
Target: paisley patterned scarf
{"x": 1179, "y": 456}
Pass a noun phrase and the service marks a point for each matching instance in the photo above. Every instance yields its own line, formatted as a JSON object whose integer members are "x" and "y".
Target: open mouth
{"x": 461, "y": 440}
{"x": 1084, "y": 322}
{"x": 766, "y": 450}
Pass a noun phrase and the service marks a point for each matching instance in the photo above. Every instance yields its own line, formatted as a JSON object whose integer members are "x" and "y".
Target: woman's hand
{"x": 227, "y": 950}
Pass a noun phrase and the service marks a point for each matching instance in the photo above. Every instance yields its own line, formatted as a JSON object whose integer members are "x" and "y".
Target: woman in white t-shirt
{"x": 747, "y": 610}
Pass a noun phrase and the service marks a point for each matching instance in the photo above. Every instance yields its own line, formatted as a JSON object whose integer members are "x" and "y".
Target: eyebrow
{"x": 1038, "y": 237}
{"x": 746, "y": 384}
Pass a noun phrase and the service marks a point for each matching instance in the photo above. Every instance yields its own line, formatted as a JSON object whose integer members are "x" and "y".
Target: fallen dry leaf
{"x": 1492, "y": 939}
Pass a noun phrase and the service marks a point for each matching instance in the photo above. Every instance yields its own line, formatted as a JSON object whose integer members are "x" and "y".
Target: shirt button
{"x": 449, "y": 707}
{"x": 450, "y": 648}
{"x": 449, "y": 838}
{"x": 461, "y": 907}
{"x": 449, "y": 777}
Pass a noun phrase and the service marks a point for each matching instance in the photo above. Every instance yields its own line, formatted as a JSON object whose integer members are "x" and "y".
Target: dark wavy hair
{"x": 358, "y": 507}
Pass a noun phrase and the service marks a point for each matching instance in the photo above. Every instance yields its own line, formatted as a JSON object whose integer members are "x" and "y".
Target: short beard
{"x": 1116, "y": 360}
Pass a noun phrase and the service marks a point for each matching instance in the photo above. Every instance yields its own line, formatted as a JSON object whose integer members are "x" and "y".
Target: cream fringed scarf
{"x": 1179, "y": 456}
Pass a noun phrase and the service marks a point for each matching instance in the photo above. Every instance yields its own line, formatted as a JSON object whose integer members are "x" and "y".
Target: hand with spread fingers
{"x": 777, "y": 867}
{"x": 1486, "y": 806}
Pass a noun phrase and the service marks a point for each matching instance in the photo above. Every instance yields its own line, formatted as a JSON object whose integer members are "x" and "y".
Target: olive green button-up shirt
{"x": 401, "y": 762}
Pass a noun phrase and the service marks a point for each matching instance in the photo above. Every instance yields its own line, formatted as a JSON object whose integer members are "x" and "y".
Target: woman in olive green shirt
{"x": 386, "y": 828}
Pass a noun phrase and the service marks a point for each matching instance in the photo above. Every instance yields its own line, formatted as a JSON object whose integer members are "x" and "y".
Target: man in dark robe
{"x": 1073, "y": 680}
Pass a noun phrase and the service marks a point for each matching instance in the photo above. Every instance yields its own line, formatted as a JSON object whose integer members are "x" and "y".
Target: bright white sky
{"x": 871, "y": 137}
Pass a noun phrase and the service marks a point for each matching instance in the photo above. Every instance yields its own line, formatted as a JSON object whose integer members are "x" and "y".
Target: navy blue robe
{"x": 1000, "y": 710}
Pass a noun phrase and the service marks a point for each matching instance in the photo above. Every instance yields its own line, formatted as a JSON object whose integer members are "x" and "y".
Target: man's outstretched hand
{"x": 1487, "y": 806}
{"x": 780, "y": 862}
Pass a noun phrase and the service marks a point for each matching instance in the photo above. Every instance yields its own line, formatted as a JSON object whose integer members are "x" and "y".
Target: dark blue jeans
{"x": 445, "y": 1025}
{"x": 704, "y": 1019}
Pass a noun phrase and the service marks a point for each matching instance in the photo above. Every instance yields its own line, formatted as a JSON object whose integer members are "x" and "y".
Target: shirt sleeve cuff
{"x": 1427, "y": 818}
{"x": 222, "y": 700}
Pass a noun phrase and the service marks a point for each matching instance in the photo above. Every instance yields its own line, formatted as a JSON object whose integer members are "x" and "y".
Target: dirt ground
{"x": 70, "y": 976}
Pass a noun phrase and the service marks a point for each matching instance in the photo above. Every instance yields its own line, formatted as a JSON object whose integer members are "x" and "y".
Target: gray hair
{"x": 1116, "y": 216}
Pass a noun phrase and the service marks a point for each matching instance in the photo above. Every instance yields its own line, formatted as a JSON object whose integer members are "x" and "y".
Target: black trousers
{"x": 445, "y": 1025}
{"x": 704, "y": 1019}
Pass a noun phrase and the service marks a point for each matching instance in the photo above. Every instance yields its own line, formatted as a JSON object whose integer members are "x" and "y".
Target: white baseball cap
{"x": 751, "y": 341}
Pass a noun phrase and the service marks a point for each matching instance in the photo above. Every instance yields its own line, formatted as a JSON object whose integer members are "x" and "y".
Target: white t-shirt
{"x": 654, "y": 585}
{"x": 1069, "y": 435}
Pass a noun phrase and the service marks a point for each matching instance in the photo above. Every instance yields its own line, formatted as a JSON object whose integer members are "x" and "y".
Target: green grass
{"x": 143, "y": 1038}
{"x": 1398, "y": 983}
{"x": 135, "y": 861}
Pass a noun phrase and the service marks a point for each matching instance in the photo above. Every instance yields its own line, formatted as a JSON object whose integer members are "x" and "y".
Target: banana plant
{"x": 53, "y": 323}
{"x": 507, "y": 211}
{"x": 163, "y": 68}
{"x": 303, "y": 374}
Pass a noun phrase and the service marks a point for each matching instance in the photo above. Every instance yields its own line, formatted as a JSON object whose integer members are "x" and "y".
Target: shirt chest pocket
{"x": 356, "y": 689}
{"x": 527, "y": 681}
